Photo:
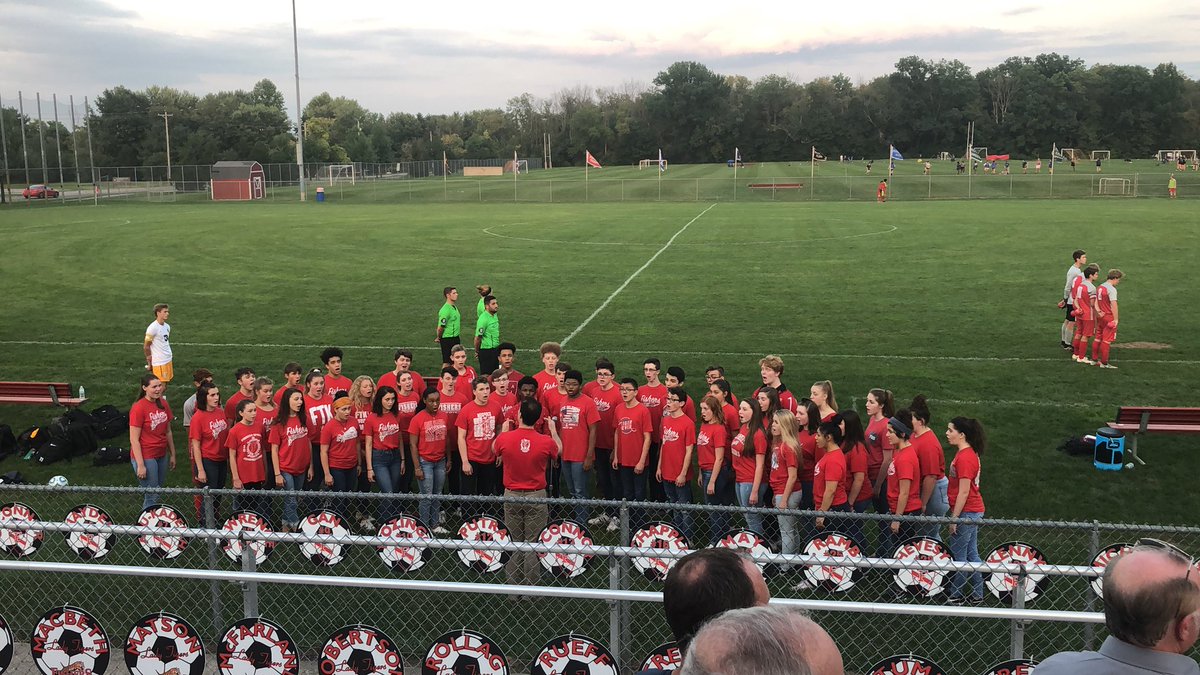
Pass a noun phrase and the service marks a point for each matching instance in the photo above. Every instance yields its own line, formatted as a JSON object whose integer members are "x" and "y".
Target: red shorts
{"x": 1171, "y": 191}
{"x": 1085, "y": 327}
{"x": 1107, "y": 334}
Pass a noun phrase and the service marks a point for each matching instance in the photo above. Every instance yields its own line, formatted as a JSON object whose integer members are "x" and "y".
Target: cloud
{"x": 1019, "y": 11}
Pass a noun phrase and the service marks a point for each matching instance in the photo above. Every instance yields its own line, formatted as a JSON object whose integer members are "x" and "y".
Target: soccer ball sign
{"x": 330, "y": 527}
{"x": 906, "y": 665}
{"x": 404, "y": 558}
{"x": 484, "y": 528}
{"x": 831, "y": 577}
{"x": 752, "y": 543}
{"x": 565, "y": 533}
{"x": 664, "y": 657}
{"x": 464, "y": 652}
{"x": 922, "y": 583}
{"x": 161, "y": 545}
{"x": 574, "y": 654}
{"x": 89, "y": 545}
{"x": 1101, "y": 561}
{"x": 6, "y": 646}
{"x": 69, "y": 641}
{"x": 362, "y": 650}
{"x": 257, "y": 647}
{"x": 164, "y": 643}
{"x": 246, "y": 521}
{"x": 1002, "y": 584}
{"x": 1013, "y": 667}
{"x": 19, "y": 543}
{"x": 658, "y": 535}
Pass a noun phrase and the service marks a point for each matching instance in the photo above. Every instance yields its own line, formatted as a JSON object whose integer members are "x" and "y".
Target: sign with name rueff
{"x": 663, "y": 657}
{"x": 573, "y": 655}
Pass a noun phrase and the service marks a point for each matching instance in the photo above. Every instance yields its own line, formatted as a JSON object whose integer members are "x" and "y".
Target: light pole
{"x": 299, "y": 111}
{"x": 167, "y": 126}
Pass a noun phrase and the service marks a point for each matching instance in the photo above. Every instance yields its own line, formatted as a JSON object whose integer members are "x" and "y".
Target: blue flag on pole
{"x": 896, "y": 154}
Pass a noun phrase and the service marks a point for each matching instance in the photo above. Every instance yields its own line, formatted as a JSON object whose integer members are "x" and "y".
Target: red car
{"x": 39, "y": 192}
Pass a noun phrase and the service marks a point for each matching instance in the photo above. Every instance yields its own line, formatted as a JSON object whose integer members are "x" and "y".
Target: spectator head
{"x": 201, "y": 376}
{"x": 713, "y": 373}
{"x": 531, "y": 412}
{"x": 675, "y": 377}
{"x": 763, "y": 641}
{"x": 1152, "y": 597}
{"x": 331, "y": 353}
{"x": 706, "y": 583}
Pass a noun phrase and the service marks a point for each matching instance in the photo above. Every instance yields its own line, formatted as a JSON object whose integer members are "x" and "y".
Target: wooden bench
{"x": 39, "y": 393}
{"x": 775, "y": 186}
{"x": 1152, "y": 420}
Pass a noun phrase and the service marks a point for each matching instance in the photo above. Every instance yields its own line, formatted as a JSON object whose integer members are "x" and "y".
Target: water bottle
{"x": 81, "y": 397}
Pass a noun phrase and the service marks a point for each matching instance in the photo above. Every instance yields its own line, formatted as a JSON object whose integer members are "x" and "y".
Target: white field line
{"x": 602, "y": 351}
{"x": 634, "y": 276}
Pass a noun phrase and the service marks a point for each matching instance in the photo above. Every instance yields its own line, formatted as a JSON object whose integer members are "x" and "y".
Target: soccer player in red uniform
{"x": 335, "y": 382}
{"x": 547, "y": 378}
{"x": 403, "y": 359}
{"x": 245, "y": 381}
{"x": 675, "y": 456}
{"x": 206, "y": 440}
{"x": 290, "y": 452}
{"x": 525, "y": 455}
{"x": 1107, "y": 315}
{"x": 607, "y": 397}
{"x": 1085, "y": 313}
{"x": 427, "y": 439}
{"x": 477, "y": 425}
{"x": 632, "y": 431}
{"x": 881, "y": 191}
{"x": 577, "y": 419}
{"x": 653, "y": 395}
{"x": 244, "y": 445}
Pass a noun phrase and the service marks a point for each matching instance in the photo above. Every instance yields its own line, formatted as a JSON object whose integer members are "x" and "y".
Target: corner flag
{"x": 662, "y": 165}
{"x": 591, "y": 161}
{"x": 896, "y": 154}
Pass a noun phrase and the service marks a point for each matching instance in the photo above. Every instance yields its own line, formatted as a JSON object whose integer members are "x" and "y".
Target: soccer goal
{"x": 1101, "y": 154}
{"x": 1175, "y": 155}
{"x": 160, "y": 192}
{"x": 650, "y": 163}
{"x": 520, "y": 166}
{"x": 1072, "y": 154}
{"x": 1116, "y": 186}
{"x": 341, "y": 173}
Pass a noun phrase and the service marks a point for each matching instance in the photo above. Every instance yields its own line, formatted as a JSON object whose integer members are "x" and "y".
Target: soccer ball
{"x": 58, "y": 481}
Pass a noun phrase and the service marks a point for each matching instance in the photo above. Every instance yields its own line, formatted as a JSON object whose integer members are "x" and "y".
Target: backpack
{"x": 13, "y": 478}
{"x": 110, "y": 454}
{"x": 30, "y": 440}
{"x": 75, "y": 431}
{"x": 8, "y": 441}
{"x": 110, "y": 421}
{"x": 51, "y": 452}
{"x": 1077, "y": 447}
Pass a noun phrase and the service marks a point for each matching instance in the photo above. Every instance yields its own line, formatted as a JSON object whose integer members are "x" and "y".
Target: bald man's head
{"x": 1151, "y": 597}
{"x": 763, "y": 641}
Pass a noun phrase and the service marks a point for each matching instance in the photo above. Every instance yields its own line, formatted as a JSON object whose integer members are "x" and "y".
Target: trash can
{"x": 320, "y": 194}
{"x": 1110, "y": 449}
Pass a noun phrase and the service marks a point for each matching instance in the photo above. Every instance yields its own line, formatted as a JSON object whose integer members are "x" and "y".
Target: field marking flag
{"x": 516, "y": 164}
{"x": 737, "y": 157}
{"x": 895, "y": 154}
{"x": 661, "y": 164}
{"x": 445, "y": 164}
{"x": 591, "y": 161}
{"x": 817, "y": 156}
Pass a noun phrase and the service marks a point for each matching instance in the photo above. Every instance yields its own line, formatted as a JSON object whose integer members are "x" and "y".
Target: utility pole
{"x": 299, "y": 110}
{"x": 167, "y": 125}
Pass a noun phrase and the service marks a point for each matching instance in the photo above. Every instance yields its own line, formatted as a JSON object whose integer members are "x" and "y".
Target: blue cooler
{"x": 320, "y": 194}
{"x": 1110, "y": 449}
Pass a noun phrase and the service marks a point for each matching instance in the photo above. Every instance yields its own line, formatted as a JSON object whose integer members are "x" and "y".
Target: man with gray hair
{"x": 1152, "y": 611}
{"x": 762, "y": 641}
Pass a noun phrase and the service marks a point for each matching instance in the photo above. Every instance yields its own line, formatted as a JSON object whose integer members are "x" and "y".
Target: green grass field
{"x": 951, "y": 299}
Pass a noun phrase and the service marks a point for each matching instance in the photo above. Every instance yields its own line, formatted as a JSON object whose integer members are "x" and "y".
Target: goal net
{"x": 160, "y": 192}
{"x": 1116, "y": 186}
{"x": 341, "y": 173}
{"x": 1072, "y": 154}
{"x": 518, "y": 167}
{"x": 650, "y": 164}
{"x": 1101, "y": 154}
{"x": 1176, "y": 155}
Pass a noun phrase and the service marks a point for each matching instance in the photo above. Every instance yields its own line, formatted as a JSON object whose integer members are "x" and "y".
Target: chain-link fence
{"x": 214, "y": 557}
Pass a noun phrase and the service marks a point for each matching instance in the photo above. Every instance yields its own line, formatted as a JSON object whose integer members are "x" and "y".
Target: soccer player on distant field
{"x": 449, "y": 324}
{"x": 335, "y": 382}
{"x": 881, "y": 191}
{"x": 1074, "y": 275}
{"x": 1037, "y": 166}
{"x": 157, "y": 346}
{"x": 1107, "y": 315}
{"x": 1171, "y": 185}
{"x": 1085, "y": 313}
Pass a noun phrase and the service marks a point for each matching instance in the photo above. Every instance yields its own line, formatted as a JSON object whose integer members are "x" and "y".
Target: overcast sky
{"x": 440, "y": 57}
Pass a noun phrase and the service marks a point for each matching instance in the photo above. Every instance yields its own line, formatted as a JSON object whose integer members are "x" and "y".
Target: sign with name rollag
{"x": 464, "y": 652}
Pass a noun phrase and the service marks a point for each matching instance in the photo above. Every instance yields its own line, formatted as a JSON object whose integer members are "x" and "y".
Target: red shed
{"x": 237, "y": 181}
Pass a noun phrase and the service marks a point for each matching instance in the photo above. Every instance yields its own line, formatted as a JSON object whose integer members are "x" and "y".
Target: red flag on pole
{"x": 591, "y": 161}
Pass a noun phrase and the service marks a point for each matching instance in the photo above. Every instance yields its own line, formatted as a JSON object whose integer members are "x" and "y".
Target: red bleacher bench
{"x": 1153, "y": 420}
{"x": 39, "y": 393}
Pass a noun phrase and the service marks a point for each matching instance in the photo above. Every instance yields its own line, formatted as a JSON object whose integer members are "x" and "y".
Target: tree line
{"x": 1022, "y": 106}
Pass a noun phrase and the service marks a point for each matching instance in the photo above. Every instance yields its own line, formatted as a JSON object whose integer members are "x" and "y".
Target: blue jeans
{"x": 787, "y": 525}
{"x": 964, "y": 546}
{"x": 677, "y": 494}
{"x": 854, "y": 527}
{"x": 430, "y": 510}
{"x": 939, "y": 505}
{"x": 633, "y": 489}
{"x": 292, "y": 481}
{"x": 718, "y": 523}
{"x": 754, "y": 521}
{"x": 156, "y": 475}
{"x": 577, "y": 485}
{"x": 386, "y": 464}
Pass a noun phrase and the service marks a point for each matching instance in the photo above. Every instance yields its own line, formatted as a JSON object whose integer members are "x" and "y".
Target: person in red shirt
{"x": 607, "y": 397}
{"x": 318, "y": 405}
{"x": 427, "y": 433}
{"x": 577, "y": 419}
{"x": 409, "y": 387}
{"x": 1084, "y": 301}
{"x": 880, "y": 407}
{"x": 525, "y": 455}
{"x": 477, "y": 425}
{"x": 384, "y": 447}
{"x": 966, "y": 435}
{"x": 632, "y": 430}
{"x": 675, "y": 457}
{"x": 403, "y": 359}
{"x": 464, "y": 375}
{"x": 290, "y": 453}
{"x": 675, "y": 378}
{"x": 716, "y": 471}
{"x": 829, "y": 476}
{"x": 504, "y": 394}
{"x": 451, "y": 402}
{"x": 933, "y": 467}
{"x": 151, "y": 444}
{"x": 546, "y": 378}
{"x": 362, "y": 393}
{"x": 508, "y": 354}
{"x": 244, "y": 446}
{"x": 748, "y": 448}
{"x": 770, "y": 368}
{"x": 1106, "y": 318}
{"x": 857, "y": 484}
{"x": 264, "y": 393}
{"x": 904, "y": 480}
{"x": 653, "y": 395}
{"x": 340, "y": 451}
{"x": 808, "y": 419}
{"x": 785, "y": 456}
{"x": 206, "y": 441}
{"x": 821, "y": 393}
{"x": 729, "y": 406}
{"x": 292, "y": 374}
{"x": 335, "y": 382}
{"x": 245, "y": 381}
{"x": 529, "y": 389}
{"x": 881, "y": 191}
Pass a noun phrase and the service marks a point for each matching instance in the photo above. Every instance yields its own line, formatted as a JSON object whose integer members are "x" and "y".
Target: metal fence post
{"x": 210, "y": 519}
{"x": 623, "y": 584}
{"x": 1017, "y": 631}
{"x": 249, "y": 588}
{"x": 1089, "y": 630}
{"x": 614, "y": 606}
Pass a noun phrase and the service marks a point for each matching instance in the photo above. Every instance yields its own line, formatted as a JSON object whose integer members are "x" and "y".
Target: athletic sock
{"x": 1097, "y": 347}
{"x": 1104, "y": 353}
{"x": 1067, "y": 332}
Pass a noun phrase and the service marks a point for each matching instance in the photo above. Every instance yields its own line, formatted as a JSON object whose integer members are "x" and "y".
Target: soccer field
{"x": 953, "y": 299}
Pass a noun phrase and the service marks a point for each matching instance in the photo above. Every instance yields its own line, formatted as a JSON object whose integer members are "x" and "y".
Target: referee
{"x": 487, "y": 336}
{"x": 449, "y": 324}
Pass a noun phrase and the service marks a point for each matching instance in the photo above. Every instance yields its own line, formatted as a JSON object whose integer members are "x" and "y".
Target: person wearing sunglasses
{"x": 1152, "y": 611}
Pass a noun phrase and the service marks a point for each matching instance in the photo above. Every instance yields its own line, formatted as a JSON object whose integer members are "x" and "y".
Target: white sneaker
{"x": 1074, "y": 358}
{"x": 613, "y": 526}
{"x": 1086, "y": 361}
{"x": 440, "y": 531}
{"x": 601, "y": 519}
{"x": 1108, "y": 365}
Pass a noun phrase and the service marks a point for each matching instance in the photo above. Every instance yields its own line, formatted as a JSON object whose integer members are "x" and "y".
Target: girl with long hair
{"x": 966, "y": 435}
{"x": 821, "y": 393}
{"x": 748, "y": 449}
{"x": 151, "y": 444}
{"x": 206, "y": 440}
{"x": 858, "y": 484}
{"x": 932, "y": 457}
{"x": 785, "y": 455}
{"x": 291, "y": 453}
{"x": 716, "y": 474}
{"x": 807, "y": 418}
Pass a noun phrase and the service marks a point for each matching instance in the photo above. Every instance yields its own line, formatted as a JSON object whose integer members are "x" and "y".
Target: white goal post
{"x": 342, "y": 173}
{"x": 650, "y": 163}
{"x": 1175, "y": 155}
{"x": 1101, "y": 154}
{"x": 1116, "y": 186}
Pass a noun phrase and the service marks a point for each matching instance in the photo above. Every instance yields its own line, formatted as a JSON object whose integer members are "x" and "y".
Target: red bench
{"x": 1152, "y": 420}
{"x": 775, "y": 186}
{"x": 39, "y": 393}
